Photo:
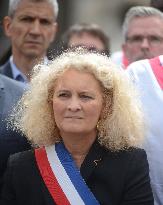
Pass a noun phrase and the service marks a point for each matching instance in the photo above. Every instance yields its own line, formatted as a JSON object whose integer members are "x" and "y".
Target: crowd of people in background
{"x": 86, "y": 126}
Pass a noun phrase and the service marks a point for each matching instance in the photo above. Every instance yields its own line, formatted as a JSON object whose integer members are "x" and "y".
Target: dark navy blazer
{"x": 120, "y": 178}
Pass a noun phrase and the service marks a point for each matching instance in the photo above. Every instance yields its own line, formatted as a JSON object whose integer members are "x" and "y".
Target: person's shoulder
{"x": 10, "y": 92}
{"x": 135, "y": 152}
{"x": 132, "y": 152}
{"x": 134, "y": 157}
{"x": 138, "y": 71}
{"x": 11, "y": 84}
{"x": 5, "y": 67}
{"x": 132, "y": 160}
{"x": 2, "y": 67}
{"x": 138, "y": 66}
{"x": 21, "y": 158}
{"x": 125, "y": 153}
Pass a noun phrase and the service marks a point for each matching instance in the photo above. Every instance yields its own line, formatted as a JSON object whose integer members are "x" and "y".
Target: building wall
{"x": 108, "y": 14}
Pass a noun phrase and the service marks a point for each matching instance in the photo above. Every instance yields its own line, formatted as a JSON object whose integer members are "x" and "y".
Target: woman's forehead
{"x": 78, "y": 79}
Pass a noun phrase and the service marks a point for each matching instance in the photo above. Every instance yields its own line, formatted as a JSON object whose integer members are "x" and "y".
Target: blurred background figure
{"x": 30, "y": 31}
{"x": 147, "y": 75}
{"x": 10, "y": 141}
{"x": 143, "y": 35}
{"x": 89, "y": 36}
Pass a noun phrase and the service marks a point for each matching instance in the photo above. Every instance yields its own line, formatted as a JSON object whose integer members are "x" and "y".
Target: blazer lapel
{"x": 6, "y": 70}
{"x": 92, "y": 160}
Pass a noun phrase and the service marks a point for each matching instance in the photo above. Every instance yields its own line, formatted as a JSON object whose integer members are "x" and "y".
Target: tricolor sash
{"x": 62, "y": 177}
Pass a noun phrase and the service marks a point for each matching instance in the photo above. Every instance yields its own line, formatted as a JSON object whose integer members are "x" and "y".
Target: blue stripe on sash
{"x": 74, "y": 174}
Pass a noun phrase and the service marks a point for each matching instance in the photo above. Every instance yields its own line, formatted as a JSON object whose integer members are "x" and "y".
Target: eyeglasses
{"x": 138, "y": 39}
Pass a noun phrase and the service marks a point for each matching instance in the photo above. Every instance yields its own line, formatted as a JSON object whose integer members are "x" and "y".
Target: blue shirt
{"x": 17, "y": 74}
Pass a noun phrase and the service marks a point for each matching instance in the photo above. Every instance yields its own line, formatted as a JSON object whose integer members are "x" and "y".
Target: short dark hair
{"x": 92, "y": 29}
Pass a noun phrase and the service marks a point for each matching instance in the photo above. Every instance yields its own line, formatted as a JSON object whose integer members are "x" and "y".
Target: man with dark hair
{"x": 89, "y": 36}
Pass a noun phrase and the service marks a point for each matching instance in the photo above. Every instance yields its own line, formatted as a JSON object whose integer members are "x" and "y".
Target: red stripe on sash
{"x": 124, "y": 61}
{"x": 157, "y": 70}
{"x": 49, "y": 178}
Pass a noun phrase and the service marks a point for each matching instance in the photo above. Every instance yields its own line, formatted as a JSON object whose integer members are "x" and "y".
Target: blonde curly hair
{"x": 121, "y": 126}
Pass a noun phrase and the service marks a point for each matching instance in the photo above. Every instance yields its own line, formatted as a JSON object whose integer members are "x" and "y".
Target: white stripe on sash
{"x": 62, "y": 177}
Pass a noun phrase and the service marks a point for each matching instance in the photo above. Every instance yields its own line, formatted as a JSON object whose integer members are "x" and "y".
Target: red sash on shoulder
{"x": 157, "y": 70}
{"x": 62, "y": 177}
{"x": 49, "y": 178}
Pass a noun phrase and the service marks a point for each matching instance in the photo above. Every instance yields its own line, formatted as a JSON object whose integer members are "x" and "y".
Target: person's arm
{"x": 138, "y": 189}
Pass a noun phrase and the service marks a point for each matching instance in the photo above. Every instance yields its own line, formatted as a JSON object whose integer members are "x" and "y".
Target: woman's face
{"x": 77, "y": 103}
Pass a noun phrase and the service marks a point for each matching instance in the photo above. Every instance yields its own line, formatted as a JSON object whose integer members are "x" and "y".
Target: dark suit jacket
{"x": 6, "y": 69}
{"x": 10, "y": 141}
{"x": 120, "y": 178}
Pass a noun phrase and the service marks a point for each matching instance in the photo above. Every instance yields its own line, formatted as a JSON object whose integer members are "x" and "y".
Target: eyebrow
{"x": 64, "y": 90}
{"x": 82, "y": 92}
{"x": 34, "y": 16}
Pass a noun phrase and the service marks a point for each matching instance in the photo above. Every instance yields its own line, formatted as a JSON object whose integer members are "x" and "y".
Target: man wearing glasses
{"x": 143, "y": 33}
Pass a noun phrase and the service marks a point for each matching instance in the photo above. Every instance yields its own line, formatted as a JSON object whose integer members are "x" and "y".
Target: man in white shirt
{"x": 147, "y": 75}
{"x": 142, "y": 35}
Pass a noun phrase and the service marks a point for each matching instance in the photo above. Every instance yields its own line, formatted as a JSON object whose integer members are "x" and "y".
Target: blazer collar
{"x": 92, "y": 160}
{"x": 6, "y": 69}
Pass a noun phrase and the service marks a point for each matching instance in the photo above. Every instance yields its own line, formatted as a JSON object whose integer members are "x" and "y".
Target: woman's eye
{"x": 86, "y": 97}
{"x": 63, "y": 95}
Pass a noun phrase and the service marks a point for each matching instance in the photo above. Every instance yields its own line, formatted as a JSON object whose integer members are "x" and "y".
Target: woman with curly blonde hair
{"x": 84, "y": 118}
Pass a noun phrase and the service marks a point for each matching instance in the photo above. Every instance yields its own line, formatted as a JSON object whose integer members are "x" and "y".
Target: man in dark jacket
{"x": 31, "y": 31}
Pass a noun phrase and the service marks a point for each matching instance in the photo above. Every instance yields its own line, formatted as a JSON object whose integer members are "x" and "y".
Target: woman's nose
{"x": 74, "y": 105}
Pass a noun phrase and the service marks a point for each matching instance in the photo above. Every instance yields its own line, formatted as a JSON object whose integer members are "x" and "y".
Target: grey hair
{"x": 13, "y": 5}
{"x": 136, "y": 12}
